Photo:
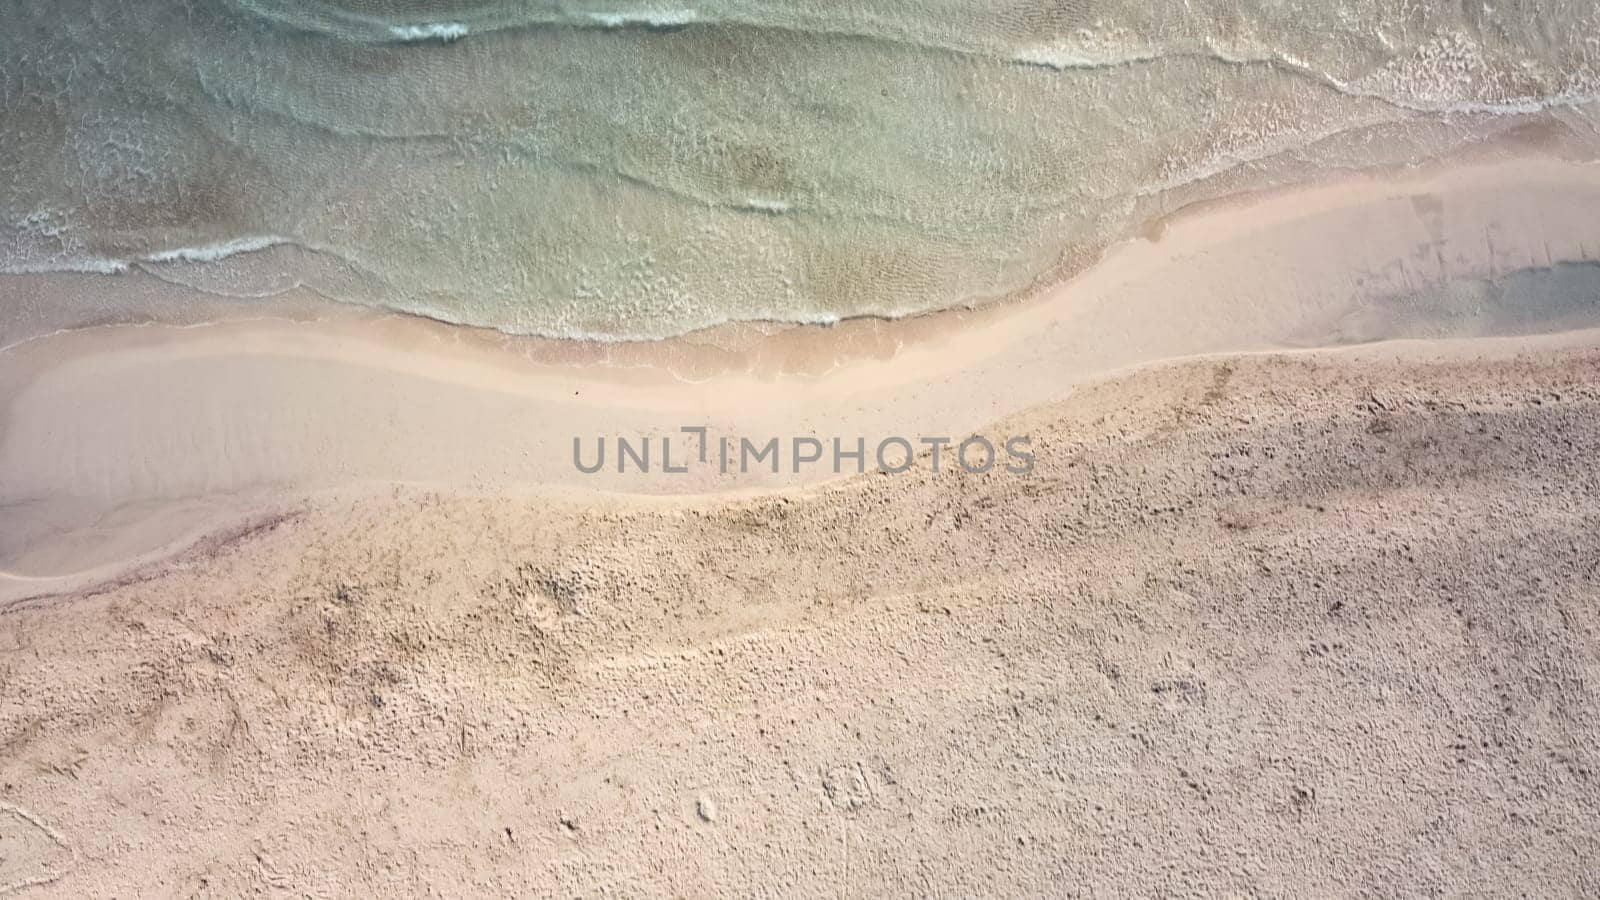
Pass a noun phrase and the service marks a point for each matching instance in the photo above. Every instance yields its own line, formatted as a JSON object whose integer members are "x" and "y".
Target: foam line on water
{"x": 664, "y": 19}
{"x": 432, "y": 31}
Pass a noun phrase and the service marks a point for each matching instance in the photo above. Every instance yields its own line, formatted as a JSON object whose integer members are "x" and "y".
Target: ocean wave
{"x": 1413, "y": 100}
{"x": 199, "y": 254}
{"x": 433, "y": 31}
{"x": 343, "y": 24}
{"x": 1397, "y": 95}
{"x": 349, "y": 26}
{"x": 1092, "y": 53}
{"x": 667, "y": 19}
{"x": 207, "y": 253}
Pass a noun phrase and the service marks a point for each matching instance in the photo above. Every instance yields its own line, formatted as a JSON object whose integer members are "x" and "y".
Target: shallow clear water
{"x": 628, "y": 170}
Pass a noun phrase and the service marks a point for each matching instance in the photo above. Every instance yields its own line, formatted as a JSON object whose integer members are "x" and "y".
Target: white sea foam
{"x": 84, "y": 265}
{"x": 432, "y": 31}
{"x": 214, "y": 252}
{"x": 662, "y": 19}
{"x": 99, "y": 265}
{"x": 767, "y": 205}
{"x": 1062, "y": 58}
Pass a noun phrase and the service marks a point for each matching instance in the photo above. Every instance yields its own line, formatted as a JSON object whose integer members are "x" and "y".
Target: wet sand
{"x": 124, "y": 444}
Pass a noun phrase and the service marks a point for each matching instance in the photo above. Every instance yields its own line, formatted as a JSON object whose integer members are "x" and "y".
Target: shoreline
{"x": 119, "y": 441}
{"x": 1535, "y": 142}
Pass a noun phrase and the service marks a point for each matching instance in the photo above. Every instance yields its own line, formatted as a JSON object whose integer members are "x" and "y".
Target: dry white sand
{"x": 323, "y": 608}
{"x": 1281, "y": 626}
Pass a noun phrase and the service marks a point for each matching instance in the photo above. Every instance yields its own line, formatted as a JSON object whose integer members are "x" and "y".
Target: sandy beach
{"x": 755, "y": 448}
{"x": 121, "y": 444}
{"x": 1269, "y": 625}
{"x": 1299, "y": 596}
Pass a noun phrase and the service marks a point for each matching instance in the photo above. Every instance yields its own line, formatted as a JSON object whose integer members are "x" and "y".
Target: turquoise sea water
{"x": 630, "y": 170}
